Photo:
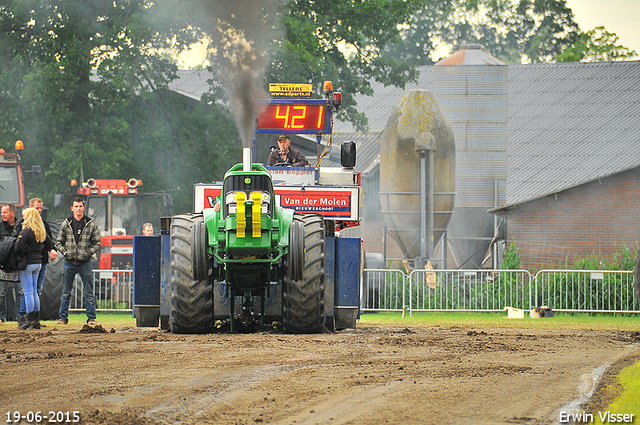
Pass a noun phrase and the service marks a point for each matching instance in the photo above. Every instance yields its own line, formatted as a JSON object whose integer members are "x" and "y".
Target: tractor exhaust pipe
{"x": 246, "y": 159}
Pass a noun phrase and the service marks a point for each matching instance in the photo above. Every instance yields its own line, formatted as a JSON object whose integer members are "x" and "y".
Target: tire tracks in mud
{"x": 368, "y": 376}
{"x": 192, "y": 397}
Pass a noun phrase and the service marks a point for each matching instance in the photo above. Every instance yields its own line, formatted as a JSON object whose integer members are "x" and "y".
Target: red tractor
{"x": 120, "y": 210}
{"x": 12, "y": 192}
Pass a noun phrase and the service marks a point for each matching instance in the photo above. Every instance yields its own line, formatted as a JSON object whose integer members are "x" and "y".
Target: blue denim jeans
{"x": 69, "y": 272}
{"x": 29, "y": 280}
{"x": 43, "y": 270}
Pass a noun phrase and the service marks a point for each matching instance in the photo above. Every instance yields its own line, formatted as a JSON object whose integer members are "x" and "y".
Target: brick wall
{"x": 596, "y": 218}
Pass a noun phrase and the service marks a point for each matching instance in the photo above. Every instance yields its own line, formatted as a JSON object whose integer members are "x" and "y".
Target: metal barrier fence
{"x": 383, "y": 290}
{"x": 590, "y": 291}
{"x": 593, "y": 291}
{"x": 469, "y": 290}
{"x": 113, "y": 290}
{"x": 492, "y": 290}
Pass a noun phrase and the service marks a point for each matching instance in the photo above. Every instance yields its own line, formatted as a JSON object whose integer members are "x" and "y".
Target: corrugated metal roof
{"x": 568, "y": 124}
{"x": 378, "y": 108}
{"x": 191, "y": 83}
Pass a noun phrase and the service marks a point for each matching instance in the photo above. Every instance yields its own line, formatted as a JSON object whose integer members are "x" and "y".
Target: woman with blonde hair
{"x": 32, "y": 243}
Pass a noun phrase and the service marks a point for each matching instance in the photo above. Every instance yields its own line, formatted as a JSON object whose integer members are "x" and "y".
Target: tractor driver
{"x": 286, "y": 155}
{"x": 147, "y": 229}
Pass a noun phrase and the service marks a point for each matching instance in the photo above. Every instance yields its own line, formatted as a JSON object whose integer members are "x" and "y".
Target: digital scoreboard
{"x": 308, "y": 116}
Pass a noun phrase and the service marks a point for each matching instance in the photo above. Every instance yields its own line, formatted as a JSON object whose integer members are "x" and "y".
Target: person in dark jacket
{"x": 7, "y": 279}
{"x": 286, "y": 155}
{"x": 78, "y": 239}
{"x": 53, "y": 254}
{"x": 32, "y": 239}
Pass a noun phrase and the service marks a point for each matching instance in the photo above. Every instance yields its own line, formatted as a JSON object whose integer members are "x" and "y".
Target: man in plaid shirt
{"x": 78, "y": 239}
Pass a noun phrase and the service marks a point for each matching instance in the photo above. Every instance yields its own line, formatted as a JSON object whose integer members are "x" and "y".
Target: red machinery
{"x": 120, "y": 211}
{"x": 115, "y": 205}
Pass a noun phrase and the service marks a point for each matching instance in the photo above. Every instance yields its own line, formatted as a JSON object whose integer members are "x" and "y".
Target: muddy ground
{"x": 372, "y": 375}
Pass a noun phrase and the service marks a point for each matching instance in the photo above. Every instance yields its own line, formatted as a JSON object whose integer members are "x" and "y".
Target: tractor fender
{"x": 211, "y": 221}
{"x": 285, "y": 216}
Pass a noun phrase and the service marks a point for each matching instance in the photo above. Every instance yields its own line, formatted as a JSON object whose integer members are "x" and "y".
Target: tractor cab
{"x": 252, "y": 189}
{"x": 11, "y": 187}
{"x": 117, "y": 205}
{"x": 11, "y": 191}
{"x": 248, "y": 208}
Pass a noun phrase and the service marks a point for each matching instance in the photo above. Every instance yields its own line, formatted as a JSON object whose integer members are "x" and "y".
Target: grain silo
{"x": 417, "y": 157}
{"x": 471, "y": 89}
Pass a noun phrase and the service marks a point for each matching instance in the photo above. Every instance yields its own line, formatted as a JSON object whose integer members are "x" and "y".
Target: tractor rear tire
{"x": 303, "y": 299}
{"x": 52, "y": 289}
{"x": 191, "y": 300}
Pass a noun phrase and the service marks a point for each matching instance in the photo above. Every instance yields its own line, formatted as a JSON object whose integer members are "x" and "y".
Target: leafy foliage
{"x": 342, "y": 41}
{"x": 85, "y": 86}
{"x": 620, "y": 260}
{"x": 525, "y": 30}
{"x": 178, "y": 143}
{"x": 596, "y": 45}
{"x": 512, "y": 258}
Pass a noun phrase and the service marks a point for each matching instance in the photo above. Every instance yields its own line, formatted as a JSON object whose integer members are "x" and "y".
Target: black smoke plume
{"x": 240, "y": 34}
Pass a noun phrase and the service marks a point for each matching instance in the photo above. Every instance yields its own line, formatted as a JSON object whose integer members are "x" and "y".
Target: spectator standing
{"x": 8, "y": 213}
{"x": 37, "y": 204}
{"x": 78, "y": 240}
{"x": 32, "y": 241}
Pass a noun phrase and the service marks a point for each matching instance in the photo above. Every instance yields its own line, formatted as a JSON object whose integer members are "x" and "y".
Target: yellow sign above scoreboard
{"x": 278, "y": 90}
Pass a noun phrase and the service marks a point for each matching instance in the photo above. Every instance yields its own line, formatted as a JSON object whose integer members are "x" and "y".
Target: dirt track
{"x": 371, "y": 375}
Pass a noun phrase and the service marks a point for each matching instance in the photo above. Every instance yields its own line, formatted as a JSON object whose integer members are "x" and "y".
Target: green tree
{"x": 526, "y": 30}
{"x": 303, "y": 41}
{"x": 596, "y": 45}
{"x": 178, "y": 142}
{"x": 342, "y": 41}
{"x": 73, "y": 74}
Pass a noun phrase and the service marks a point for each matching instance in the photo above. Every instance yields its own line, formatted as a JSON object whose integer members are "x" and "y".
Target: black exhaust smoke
{"x": 241, "y": 31}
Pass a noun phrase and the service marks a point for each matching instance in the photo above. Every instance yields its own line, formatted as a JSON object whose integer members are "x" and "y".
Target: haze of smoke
{"x": 242, "y": 31}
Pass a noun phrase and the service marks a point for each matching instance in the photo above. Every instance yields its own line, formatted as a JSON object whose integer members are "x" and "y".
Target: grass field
{"x": 107, "y": 320}
{"x": 629, "y": 400}
{"x": 499, "y": 320}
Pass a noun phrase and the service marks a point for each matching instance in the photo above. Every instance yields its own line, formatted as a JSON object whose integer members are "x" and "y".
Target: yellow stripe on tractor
{"x": 240, "y": 214}
{"x": 256, "y": 218}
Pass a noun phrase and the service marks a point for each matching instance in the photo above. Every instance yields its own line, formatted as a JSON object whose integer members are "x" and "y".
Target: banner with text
{"x": 332, "y": 203}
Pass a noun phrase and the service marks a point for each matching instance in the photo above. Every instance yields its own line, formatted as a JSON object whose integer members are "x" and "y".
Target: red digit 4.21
{"x": 290, "y": 114}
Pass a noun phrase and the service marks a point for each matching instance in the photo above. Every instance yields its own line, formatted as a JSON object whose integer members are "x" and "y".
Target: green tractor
{"x": 248, "y": 244}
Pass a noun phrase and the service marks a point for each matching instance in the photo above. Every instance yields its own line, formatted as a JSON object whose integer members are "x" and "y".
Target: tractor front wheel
{"x": 191, "y": 299}
{"x": 303, "y": 283}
